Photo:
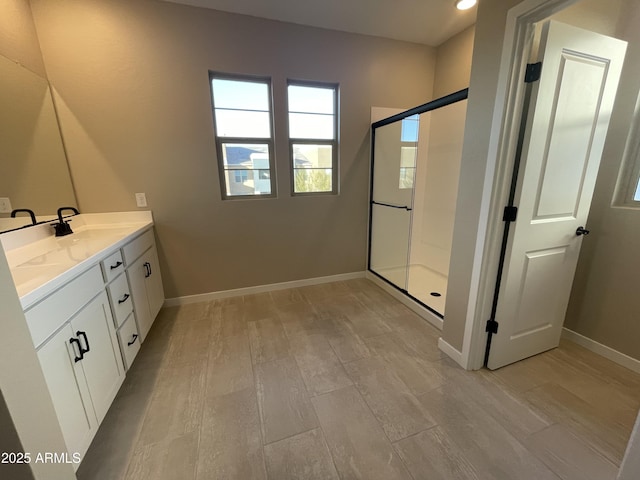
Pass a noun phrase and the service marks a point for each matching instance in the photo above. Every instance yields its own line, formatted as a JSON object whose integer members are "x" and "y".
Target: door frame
{"x": 505, "y": 129}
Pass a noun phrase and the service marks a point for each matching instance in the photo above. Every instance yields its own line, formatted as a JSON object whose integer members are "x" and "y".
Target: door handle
{"x": 86, "y": 341}
{"x": 402, "y": 207}
{"x": 75, "y": 340}
{"x": 582, "y": 231}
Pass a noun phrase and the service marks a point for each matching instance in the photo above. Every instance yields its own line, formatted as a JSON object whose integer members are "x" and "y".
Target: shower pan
{"x": 415, "y": 164}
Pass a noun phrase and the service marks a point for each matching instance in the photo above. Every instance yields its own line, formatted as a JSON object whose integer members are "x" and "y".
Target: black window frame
{"x": 244, "y": 140}
{"x": 334, "y": 143}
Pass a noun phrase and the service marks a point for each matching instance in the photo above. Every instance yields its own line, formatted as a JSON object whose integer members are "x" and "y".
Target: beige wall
{"x": 132, "y": 83}
{"x": 487, "y": 51}
{"x": 18, "y": 38}
{"x": 25, "y": 395}
{"x": 439, "y": 154}
{"x": 604, "y": 302}
{"x": 453, "y": 63}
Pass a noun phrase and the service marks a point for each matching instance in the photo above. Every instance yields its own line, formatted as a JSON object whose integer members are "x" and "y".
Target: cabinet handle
{"x": 133, "y": 339}
{"x": 147, "y": 268}
{"x": 113, "y": 267}
{"x": 86, "y": 341}
{"x": 124, "y": 299}
{"x": 75, "y": 340}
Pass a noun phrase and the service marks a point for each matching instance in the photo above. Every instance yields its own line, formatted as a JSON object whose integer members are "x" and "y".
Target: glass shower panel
{"x": 434, "y": 207}
{"x": 394, "y": 170}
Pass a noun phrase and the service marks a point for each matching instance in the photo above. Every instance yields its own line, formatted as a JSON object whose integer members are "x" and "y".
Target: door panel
{"x": 155, "y": 290}
{"x": 68, "y": 389}
{"x": 567, "y": 158}
{"x": 390, "y": 243}
{"x": 394, "y": 170}
{"x": 102, "y": 364}
{"x": 569, "y": 116}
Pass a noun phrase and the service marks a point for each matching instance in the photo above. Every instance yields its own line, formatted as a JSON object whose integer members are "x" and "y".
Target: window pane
{"x": 407, "y": 176}
{"x": 636, "y": 196}
{"x": 408, "y": 156}
{"x": 247, "y": 156}
{"x": 312, "y": 156}
{"x": 239, "y": 123}
{"x": 310, "y": 125}
{"x": 311, "y": 99}
{"x": 246, "y": 169}
{"x": 240, "y": 95}
{"x": 410, "y": 129}
{"x": 309, "y": 180}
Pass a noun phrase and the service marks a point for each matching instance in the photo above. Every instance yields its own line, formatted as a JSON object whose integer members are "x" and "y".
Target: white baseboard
{"x": 402, "y": 298}
{"x": 607, "y": 352}
{"x": 456, "y": 355}
{"x": 207, "y": 297}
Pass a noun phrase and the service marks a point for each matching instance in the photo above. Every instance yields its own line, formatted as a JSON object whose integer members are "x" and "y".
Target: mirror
{"x": 34, "y": 173}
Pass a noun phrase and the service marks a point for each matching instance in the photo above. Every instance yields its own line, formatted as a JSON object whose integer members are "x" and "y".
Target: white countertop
{"x": 41, "y": 263}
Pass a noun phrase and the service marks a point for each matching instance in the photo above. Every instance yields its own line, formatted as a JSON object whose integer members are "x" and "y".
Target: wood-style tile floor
{"x": 340, "y": 381}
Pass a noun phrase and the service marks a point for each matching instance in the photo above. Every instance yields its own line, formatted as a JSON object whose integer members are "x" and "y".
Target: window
{"x": 244, "y": 135}
{"x": 313, "y": 137}
{"x": 408, "y": 151}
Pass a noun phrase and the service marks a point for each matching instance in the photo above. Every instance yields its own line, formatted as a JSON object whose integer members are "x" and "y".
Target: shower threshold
{"x": 423, "y": 282}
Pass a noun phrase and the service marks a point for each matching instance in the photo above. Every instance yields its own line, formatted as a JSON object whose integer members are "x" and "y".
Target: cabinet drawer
{"x": 120, "y": 298}
{"x": 137, "y": 247}
{"x": 129, "y": 341}
{"x": 47, "y": 316}
{"x": 112, "y": 266}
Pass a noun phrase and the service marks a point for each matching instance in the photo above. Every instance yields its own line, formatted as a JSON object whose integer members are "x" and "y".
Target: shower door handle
{"x": 402, "y": 207}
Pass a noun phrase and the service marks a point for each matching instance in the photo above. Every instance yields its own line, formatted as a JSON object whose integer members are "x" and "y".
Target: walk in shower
{"x": 414, "y": 185}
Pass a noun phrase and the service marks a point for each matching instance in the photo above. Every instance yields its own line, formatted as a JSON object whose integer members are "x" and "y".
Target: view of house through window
{"x": 408, "y": 151}
{"x": 313, "y": 134}
{"x": 244, "y": 140}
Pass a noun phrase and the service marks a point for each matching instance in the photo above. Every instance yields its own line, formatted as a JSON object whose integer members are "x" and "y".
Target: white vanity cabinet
{"x": 89, "y": 300}
{"x": 145, "y": 280}
{"x": 83, "y": 368}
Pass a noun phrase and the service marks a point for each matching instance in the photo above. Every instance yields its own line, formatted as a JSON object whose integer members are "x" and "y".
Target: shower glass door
{"x": 394, "y": 166}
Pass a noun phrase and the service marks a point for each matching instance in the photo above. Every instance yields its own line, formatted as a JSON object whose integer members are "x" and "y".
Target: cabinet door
{"x": 69, "y": 391}
{"x": 137, "y": 274}
{"x": 102, "y": 362}
{"x": 155, "y": 291}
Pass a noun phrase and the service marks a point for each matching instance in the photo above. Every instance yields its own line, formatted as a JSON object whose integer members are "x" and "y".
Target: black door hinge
{"x": 533, "y": 72}
{"x": 492, "y": 326}
{"x": 510, "y": 214}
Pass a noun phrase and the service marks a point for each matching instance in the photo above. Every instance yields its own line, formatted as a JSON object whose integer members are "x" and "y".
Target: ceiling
{"x": 429, "y": 22}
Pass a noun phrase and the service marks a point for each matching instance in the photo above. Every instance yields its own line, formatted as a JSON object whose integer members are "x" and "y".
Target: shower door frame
{"x": 427, "y": 107}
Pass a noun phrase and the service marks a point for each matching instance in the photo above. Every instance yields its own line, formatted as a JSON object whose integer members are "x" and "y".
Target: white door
{"x": 568, "y": 120}
{"x": 69, "y": 390}
{"x": 102, "y": 362}
{"x": 155, "y": 290}
{"x": 137, "y": 274}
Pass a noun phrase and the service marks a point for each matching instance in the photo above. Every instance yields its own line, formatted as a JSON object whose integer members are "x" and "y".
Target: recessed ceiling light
{"x": 465, "y": 4}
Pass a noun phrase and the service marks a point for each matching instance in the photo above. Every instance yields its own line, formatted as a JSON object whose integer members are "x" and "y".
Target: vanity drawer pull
{"x": 133, "y": 339}
{"x": 124, "y": 299}
{"x": 86, "y": 341}
{"x": 75, "y": 340}
{"x": 113, "y": 267}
